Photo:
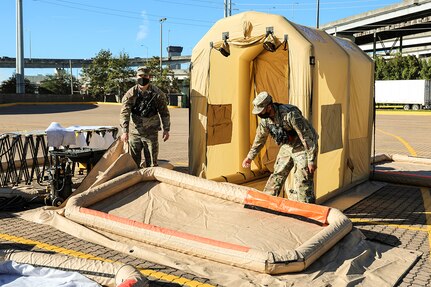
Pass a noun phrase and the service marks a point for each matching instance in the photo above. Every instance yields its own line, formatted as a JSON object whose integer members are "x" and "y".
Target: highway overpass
{"x": 404, "y": 27}
{"x": 7, "y": 62}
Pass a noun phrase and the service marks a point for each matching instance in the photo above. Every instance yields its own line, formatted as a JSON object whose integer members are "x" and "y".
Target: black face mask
{"x": 143, "y": 81}
{"x": 264, "y": 115}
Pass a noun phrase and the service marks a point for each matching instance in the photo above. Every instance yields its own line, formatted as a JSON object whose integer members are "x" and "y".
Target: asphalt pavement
{"x": 397, "y": 215}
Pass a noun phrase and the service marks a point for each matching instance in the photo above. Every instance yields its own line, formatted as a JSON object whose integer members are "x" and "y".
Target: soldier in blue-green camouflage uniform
{"x": 143, "y": 106}
{"x": 298, "y": 147}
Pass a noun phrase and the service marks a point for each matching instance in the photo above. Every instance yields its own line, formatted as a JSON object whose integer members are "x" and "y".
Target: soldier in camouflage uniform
{"x": 298, "y": 147}
{"x": 139, "y": 119}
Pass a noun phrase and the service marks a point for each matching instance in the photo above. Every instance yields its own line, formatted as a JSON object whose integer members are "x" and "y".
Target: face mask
{"x": 264, "y": 115}
{"x": 143, "y": 81}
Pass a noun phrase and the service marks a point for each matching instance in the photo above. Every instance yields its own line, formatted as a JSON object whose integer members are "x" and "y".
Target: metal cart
{"x": 63, "y": 168}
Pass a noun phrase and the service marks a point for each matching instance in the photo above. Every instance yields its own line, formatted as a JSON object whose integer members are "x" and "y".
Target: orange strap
{"x": 128, "y": 283}
{"x": 165, "y": 231}
{"x": 312, "y": 211}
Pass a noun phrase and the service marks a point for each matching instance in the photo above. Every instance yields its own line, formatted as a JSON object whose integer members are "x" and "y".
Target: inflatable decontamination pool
{"x": 233, "y": 235}
{"x": 228, "y": 223}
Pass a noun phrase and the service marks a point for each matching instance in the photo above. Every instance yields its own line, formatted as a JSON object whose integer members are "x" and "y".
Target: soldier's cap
{"x": 143, "y": 71}
{"x": 262, "y": 100}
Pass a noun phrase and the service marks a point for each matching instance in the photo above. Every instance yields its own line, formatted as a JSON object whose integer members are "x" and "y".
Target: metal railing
{"x": 25, "y": 157}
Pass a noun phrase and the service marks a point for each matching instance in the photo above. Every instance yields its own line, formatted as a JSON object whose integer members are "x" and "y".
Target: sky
{"x": 80, "y": 29}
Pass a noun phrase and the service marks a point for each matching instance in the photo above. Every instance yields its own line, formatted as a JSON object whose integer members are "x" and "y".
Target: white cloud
{"x": 143, "y": 28}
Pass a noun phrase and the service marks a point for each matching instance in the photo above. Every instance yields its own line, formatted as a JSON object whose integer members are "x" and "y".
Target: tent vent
{"x": 269, "y": 30}
{"x": 269, "y": 43}
{"x": 312, "y": 60}
{"x": 225, "y": 49}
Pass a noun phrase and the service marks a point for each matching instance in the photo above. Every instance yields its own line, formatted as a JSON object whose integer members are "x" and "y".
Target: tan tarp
{"x": 186, "y": 214}
{"x": 352, "y": 260}
{"x": 329, "y": 79}
{"x": 402, "y": 169}
{"x": 110, "y": 274}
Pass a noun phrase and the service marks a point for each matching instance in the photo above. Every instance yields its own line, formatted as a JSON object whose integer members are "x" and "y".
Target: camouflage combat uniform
{"x": 297, "y": 150}
{"x": 139, "y": 117}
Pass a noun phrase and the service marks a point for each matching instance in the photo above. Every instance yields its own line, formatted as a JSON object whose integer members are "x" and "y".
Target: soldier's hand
{"x": 246, "y": 163}
{"x": 125, "y": 137}
{"x": 312, "y": 168}
{"x": 165, "y": 136}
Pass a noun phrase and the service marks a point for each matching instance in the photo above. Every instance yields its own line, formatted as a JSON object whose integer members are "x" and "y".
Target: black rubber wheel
{"x": 47, "y": 200}
{"x": 57, "y": 201}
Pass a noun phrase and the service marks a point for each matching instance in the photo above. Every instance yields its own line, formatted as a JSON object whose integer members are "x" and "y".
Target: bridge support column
{"x": 374, "y": 44}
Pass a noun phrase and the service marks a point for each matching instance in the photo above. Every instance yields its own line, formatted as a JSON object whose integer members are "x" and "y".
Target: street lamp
{"x": 161, "y": 33}
{"x": 20, "y": 83}
{"x": 317, "y": 14}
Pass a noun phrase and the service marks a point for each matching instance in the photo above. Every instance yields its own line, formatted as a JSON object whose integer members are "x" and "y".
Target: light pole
{"x": 20, "y": 83}
{"x": 227, "y": 8}
{"x": 161, "y": 44}
{"x": 317, "y": 14}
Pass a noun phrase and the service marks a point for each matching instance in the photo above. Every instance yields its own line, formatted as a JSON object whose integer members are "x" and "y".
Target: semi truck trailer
{"x": 410, "y": 94}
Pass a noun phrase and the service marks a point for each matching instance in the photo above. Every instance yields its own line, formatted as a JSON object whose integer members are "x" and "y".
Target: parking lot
{"x": 396, "y": 215}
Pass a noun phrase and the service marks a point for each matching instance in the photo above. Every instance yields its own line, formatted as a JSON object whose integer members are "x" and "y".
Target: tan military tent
{"x": 329, "y": 79}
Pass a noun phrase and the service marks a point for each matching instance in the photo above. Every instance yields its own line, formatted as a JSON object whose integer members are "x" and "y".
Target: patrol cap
{"x": 143, "y": 71}
{"x": 262, "y": 100}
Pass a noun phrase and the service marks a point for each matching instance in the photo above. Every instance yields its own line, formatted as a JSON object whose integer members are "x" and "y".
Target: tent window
{"x": 331, "y": 128}
{"x": 219, "y": 124}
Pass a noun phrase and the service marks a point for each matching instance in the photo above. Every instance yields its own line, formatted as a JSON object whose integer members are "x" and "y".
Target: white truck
{"x": 410, "y": 94}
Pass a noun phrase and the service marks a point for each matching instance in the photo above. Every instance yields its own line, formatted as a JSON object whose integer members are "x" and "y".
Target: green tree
{"x": 380, "y": 68}
{"x": 395, "y": 67}
{"x": 107, "y": 75}
{"x": 96, "y": 75}
{"x": 120, "y": 76}
{"x": 425, "y": 72}
{"x": 166, "y": 80}
{"x": 9, "y": 86}
{"x": 58, "y": 84}
{"x": 398, "y": 68}
{"x": 411, "y": 68}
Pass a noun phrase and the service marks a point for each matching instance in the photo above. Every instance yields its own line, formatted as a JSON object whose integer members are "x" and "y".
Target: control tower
{"x": 174, "y": 51}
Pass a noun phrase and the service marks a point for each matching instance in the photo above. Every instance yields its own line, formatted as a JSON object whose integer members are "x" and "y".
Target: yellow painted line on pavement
{"x": 69, "y": 103}
{"x": 404, "y": 113}
{"x": 426, "y": 196}
{"x": 147, "y": 272}
{"x": 386, "y": 223}
{"x": 53, "y": 103}
{"x": 403, "y": 141}
{"x": 50, "y": 247}
{"x": 7, "y": 105}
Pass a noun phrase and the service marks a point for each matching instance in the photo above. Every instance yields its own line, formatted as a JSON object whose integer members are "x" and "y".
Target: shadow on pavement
{"x": 45, "y": 109}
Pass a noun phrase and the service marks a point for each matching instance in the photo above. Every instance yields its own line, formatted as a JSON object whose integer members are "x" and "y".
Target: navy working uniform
{"x": 298, "y": 147}
{"x": 143, "y": 107}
